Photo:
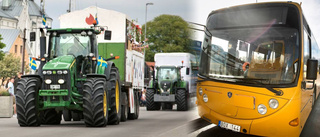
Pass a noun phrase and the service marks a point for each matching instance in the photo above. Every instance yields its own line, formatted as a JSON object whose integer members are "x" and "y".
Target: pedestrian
{"x": 11, "y": 91}
{"x": 16, "y": 79}
{"x": 143, "y": 97}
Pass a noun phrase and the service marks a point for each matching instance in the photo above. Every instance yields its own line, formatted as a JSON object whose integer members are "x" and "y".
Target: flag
{"x": 97, "y": 19}
{"x": 33, "y": 64}
{"x": 102, "y": 62}
{"x": 44, "y": 19}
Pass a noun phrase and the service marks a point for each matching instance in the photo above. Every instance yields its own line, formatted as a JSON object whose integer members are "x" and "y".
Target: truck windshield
{"x": 268, "y": 52}
{"x": 167, "y": 74}
{"x": 70, "y": 44}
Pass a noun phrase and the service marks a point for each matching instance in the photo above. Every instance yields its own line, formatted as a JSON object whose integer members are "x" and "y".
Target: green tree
{"x": 167, "y": 33}
{"x": 9, "y": 66}
{"x": 2, "y": 45}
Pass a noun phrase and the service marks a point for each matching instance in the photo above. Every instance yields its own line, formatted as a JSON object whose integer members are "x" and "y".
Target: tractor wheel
{"x": 51, "y": 117}
{"x": 75, "y": 116}
{"x": 95, "y": 106}
{"x": 181, "y": 99}
{"x": 27, "y": 101}
{"x": 166, "y": 106}
{"x": 124, "y": 109}
{"x": 135, "y": 115}
{"x": 151, "y": 105}
{"x": 115, "y": 95}
{"x": 67, "y": 115}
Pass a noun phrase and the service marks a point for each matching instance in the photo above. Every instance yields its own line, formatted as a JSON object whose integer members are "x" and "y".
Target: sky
{"x": 135, "y": 9}
{"x": 311, "y": 10}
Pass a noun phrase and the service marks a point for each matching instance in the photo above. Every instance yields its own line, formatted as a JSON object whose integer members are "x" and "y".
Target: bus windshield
{"x": 70, "y": 44}
{"x": 267, "y": 52}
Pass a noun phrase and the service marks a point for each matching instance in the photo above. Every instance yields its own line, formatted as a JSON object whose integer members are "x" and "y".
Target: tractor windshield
{"x": 167, "y": 73}
{"x": 70, "y": 44}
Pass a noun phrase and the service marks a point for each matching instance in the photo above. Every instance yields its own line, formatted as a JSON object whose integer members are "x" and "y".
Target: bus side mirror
{"x": 188, "y": 71}
{"x": 312, "y": 69}
{"x": 107, "y": 35}
{"x": 32, "y": 36}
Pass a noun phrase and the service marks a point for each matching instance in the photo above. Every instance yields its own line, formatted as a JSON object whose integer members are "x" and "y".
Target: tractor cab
{"x": 167, "y": 76}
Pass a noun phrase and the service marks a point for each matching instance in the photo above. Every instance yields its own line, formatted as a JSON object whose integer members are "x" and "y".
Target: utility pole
{"x": 145, "y": 29}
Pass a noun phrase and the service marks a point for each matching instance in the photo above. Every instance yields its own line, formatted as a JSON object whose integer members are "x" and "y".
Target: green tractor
{"x": 167, "y": 88}
{"x": 72, "y": 80}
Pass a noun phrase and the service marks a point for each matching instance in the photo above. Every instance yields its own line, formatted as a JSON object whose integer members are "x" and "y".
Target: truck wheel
{"x": 27, "y": 100}
{"x": 115, "y": 95}
{"x": 95, "y": 106}
{"x": 181, "y": 99}
{"x": 124, "y": 109}
{"x": 75, "y": 116}
{"x": 51, "y": 117}
{"x": 151, "y": 105}
{"x": 135, "y": 115}
{"x": 67, "y": 115}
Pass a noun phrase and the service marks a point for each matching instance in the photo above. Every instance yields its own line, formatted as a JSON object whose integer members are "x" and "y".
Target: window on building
{"x": 21, "y": 49}
{"x": 15, "y": 48}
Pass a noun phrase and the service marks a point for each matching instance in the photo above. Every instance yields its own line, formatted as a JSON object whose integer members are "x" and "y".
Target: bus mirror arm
{"x": 304, "y": 85}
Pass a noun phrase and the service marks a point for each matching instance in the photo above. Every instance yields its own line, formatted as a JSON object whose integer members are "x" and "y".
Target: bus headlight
{"x": 205, "y": 98}
{"x": 60, "y": 81}
{"x": 48, "y": 81}
{"x": 200, "y": 91}
{"x": 262, "y": 109}
{"x": 273, "y": 103}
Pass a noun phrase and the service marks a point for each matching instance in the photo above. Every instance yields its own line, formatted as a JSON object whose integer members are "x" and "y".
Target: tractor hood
{"x": 58, "y": 63}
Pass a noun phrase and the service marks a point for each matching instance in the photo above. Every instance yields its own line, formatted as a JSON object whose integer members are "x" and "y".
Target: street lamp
{"x": 145, "y": 28}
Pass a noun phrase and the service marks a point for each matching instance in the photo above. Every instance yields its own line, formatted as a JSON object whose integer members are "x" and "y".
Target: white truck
{"x": 175, "y": 59}
{"x": 124, "y": 34}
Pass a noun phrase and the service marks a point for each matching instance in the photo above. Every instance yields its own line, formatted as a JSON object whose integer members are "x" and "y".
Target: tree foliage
{"x": 9, "y": 66}
{"x": 2, "y": 45}
{"x": 167, "y": 33}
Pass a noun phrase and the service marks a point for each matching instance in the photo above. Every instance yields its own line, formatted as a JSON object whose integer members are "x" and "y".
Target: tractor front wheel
{"x": 151, "y": 105}
{"x": 51, "y": 117}
{"x": 181, "y": 99}
{"x": 115, "y": 95}
{"x": 27, "y": 101}
{"x": 95, "y": 106}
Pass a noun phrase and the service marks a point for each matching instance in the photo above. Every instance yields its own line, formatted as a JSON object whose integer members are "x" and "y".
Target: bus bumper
{"x": 275, "y": 125}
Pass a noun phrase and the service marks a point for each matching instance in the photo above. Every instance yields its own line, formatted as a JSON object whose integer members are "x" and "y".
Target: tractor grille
{"x": 54, "y": 78}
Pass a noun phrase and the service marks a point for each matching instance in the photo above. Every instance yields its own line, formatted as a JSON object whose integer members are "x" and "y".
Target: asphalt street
{"x": 150, "y": 124}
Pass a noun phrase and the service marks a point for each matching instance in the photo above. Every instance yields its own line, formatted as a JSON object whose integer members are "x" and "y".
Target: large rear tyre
{"x": 124, "y": 109}
{"x": 66, "y": 115}
{"x": 181, "y": 99}
{"x": 115, "y": 95}
{"x": 51, "y": 117}
{"x": 95, "y": 106}
{"x": 151, "y": 105}
{"x": 27, "y": 101}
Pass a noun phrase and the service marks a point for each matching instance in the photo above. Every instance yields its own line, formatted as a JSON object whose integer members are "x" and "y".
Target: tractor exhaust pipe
{"x": 42, "y": 50}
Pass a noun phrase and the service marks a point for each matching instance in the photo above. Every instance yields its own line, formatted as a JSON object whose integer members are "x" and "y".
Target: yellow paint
{"x": 104, "y": 104}
{"x": 117, "y": 96}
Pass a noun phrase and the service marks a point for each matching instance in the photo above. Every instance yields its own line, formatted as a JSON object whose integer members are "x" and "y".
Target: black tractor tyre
{"x": 51, "y": 117}
{"x": 75, "y": 116}
{"x": 182, "y": 100}
{"x": 124, "y": 109}
{"x": 135, "y": 115}
{"x": 115, "y": 103}
{"x": 95, "y": 106}
{"x": 27, "y": 101}
{"x": 151, "y": 105}
{"x": 66, "y": 115}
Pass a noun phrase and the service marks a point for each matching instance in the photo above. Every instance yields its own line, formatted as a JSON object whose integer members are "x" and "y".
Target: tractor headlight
{"x": 200, "y": 91}
{"x": 205, "y": 98}
{"x": 60, "y": 81}
{"x": 262, "y": 109}
{"x": 161, "y": 90}
{"x": 49, "y": 72}
{"x": 44, "y": 72}
{"x": 48, "y": 81}
{"x": 273, "y": 103}
{"x": 65, "y": 72}
{"x": 59, "y": 72}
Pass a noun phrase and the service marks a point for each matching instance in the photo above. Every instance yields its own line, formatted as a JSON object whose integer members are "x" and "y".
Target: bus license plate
{"x": 229, "y": 126}
{"x": 54, "y": 86}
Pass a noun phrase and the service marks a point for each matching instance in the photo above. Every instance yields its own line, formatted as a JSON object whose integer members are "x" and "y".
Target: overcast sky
{"x": 311, "y": 9}
{"x": 135, "y": 9}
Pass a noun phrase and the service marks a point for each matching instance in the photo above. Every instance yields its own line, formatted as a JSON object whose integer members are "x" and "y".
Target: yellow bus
{"x": 258, "y": 69}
